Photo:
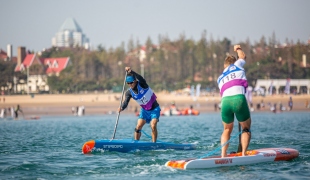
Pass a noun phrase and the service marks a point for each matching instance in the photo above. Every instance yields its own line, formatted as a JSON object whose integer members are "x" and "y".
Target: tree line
{"x": 173, "y": 64}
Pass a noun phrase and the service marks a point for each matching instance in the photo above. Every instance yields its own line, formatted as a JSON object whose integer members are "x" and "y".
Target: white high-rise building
{"x": 9, "y": 52}
{"x": 70, "y": 35}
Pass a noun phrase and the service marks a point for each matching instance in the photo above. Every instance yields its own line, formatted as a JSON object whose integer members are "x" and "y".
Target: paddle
{"x": 239, "y": 127}
{"x": 120, "y": 104}
{"x": 239, "y": 147}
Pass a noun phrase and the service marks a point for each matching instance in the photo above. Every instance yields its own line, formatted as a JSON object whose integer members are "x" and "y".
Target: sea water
{"x": 50, "y": 148}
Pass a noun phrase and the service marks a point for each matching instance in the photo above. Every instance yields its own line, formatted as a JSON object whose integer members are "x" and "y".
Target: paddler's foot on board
{"x": 224, "y": 155}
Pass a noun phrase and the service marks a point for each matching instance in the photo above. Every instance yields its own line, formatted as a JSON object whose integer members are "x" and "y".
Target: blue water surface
{"x": 50, "y": 148}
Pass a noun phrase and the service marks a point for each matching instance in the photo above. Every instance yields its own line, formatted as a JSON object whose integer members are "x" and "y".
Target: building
{"x": 278, "y": 86}
{"x": 70, "y": 34}
{"x": 8, "y": 55}
{"x": 37, "y": 70}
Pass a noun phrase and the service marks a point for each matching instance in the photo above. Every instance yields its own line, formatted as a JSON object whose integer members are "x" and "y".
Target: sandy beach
{"x": 97, "y": 104}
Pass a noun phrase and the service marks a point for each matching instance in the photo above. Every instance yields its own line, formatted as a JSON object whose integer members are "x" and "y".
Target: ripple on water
{"x": 51, "y": 148}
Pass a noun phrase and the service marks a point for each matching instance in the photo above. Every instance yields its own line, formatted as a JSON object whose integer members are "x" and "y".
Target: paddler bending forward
{"x": 233, "y": 84}
{"x": 146, "y": 98}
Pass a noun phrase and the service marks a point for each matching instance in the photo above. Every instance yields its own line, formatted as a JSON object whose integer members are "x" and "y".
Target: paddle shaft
{"x": 239, "y": 147}
{"x": 120, "y": 104}
{"x": 239, "y": 127}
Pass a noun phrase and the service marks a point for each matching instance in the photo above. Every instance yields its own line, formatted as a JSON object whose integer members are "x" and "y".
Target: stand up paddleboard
{"x": 128, "y": 145}
{"x": 253, "y": 157}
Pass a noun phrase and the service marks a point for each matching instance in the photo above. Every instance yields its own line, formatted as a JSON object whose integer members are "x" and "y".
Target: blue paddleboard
{"x": 127, "y": 145}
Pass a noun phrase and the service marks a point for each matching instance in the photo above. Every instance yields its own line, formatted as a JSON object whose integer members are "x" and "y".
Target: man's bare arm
{"x": 241, "y": 54}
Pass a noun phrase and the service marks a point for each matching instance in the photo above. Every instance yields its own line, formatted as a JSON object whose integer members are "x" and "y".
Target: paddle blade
{"x": 88, "y": 146}
{"x": 239, "y": 148}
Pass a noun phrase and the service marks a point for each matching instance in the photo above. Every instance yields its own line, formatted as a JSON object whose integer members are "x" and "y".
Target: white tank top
{"x": 233, "y": 80}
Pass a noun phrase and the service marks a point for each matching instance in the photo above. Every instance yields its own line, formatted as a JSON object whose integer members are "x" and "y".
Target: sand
{"x": 100, "y": 103}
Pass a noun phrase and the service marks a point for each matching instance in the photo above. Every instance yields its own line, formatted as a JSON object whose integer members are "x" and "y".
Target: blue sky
{"x": 33, "y": 23}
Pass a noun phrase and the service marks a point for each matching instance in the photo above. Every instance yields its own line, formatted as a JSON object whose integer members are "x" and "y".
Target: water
{"x": 50, "y": 148}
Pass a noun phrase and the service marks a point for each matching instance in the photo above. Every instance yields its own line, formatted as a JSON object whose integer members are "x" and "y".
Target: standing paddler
{"x": 233, "y": 84}
{"x": 146, "y": 98}
{"x": 16, "y": 110}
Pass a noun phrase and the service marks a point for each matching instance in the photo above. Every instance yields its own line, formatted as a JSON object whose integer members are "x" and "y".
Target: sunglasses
{"x": 130, "y": 82}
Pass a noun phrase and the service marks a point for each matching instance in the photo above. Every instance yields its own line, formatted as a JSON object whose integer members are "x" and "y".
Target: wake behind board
{"x": 127, "y": 145}
{"x": 253, "y": 157}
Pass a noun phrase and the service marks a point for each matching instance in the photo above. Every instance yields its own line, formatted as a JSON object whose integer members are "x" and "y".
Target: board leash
{"x": 147, "y": 135}
{"x": 219, "y": 148}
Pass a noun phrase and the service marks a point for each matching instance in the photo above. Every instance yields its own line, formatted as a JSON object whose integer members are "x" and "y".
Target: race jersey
{"x": 233, "y": 80}
{"x": 145, "y": 97}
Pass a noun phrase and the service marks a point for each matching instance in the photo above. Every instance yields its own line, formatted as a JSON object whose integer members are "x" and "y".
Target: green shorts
{"x": 235, "y": 105}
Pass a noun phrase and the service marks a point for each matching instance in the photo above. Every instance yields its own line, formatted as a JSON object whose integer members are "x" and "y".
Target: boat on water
{"x": 183, "y": 112}
{"x": 170, "y": 112}
{"x": 253, "y": 157}
{"x": 190, "y": 111}
{"x": 128, "y": 145}
{"x": 174, "y": 112}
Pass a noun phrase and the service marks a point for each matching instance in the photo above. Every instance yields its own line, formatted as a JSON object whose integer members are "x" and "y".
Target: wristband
{"x": 238, "y": 49}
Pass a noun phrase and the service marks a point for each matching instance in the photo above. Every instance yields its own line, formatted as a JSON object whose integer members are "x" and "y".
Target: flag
{"x": 198, "y": 90}
{"x": 192, "y": 90}
{"x": 248, "y": 94}
{"x": 287, "y": 86}
{"x": 271, "y": 87}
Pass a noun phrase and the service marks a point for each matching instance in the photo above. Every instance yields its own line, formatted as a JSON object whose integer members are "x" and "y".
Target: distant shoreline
{"x": 99, "y": 104}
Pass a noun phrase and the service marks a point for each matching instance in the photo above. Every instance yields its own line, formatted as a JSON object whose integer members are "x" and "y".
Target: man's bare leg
{"x": 154, "y": 129}
{"x": 246, "y": 136}
{"x": 226, "y": 136}
{"x": 139, "y": 126}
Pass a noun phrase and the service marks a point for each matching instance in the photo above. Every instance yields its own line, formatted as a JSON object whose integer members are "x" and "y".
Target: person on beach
{"x": 232, "y": 84}
{"x": 290, "y": 103}
{"x": 140, "y": 91}
{"x": 18, "y": 109}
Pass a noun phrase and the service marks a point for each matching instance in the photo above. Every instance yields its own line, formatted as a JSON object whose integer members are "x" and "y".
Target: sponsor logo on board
{"x": 187, "y": 147}
{"x": 112, "y": 146}
{"x": 269, "y": 155}
{"x": 88, "y": 148}
{"x": 283, "y": 151}
{"x": 223, "y": 161}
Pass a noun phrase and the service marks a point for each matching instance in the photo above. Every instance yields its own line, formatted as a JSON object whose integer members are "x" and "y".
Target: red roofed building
{"x": 50, "y": 66}
{"x": 29, "y": 60}
{"x": 55, "y": 65}
{"x": 5, "y": 57}
{"x": 37, "y": 71}
{"x": 3, "y": 54}
{"x": 140, "y": 53}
